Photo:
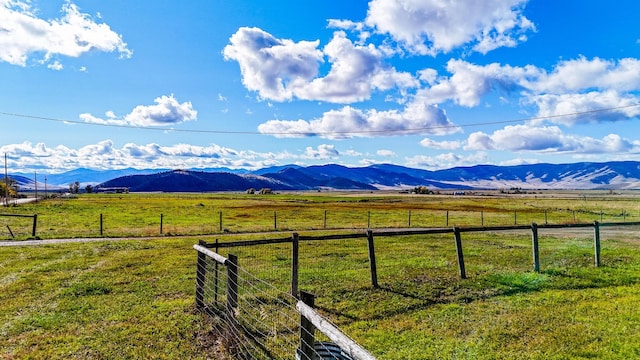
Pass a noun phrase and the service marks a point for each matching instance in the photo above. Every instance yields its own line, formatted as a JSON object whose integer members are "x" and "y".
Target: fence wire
{"x": 252, "y": 318}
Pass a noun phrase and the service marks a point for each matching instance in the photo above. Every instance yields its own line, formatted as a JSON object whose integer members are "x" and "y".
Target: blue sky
{"x": 250, "y": 84}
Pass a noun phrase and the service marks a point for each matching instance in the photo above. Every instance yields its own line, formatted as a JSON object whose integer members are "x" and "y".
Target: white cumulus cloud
{"x": 166, "y": 111}
{"x": 23, "y": 34}
{"x": 548, "y": 139}
{"x": 439, "y": 26}
{"x": 281, "y": 69}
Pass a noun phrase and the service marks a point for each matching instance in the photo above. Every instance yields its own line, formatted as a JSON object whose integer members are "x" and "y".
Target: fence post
{"x": 220, "y": 221}
{"x": 515, "y": 218}
{"x": 481, "y": 218}
{"x": 232, "y": 301}
{"x": 275, "y": 221}
{"x": 325, "y": 219}
{"x": 447, "y": 218}
{"x": 409, "y": 222}
{"x": 545, "y": 216}
{"x": 200, "y": 277}
{"x": 35, "y": 222}
{"x": 215, "y": 294}
{"x": 372, "y": 259}
{"x": 295, "y": 247}
{"x": 161, "y": 220}
{"x": 307, "y": 330}
{"x": 458, "y": 238}
{"x": 100, "y": 224}
{"x": 368, "y": 219}
{"x": 534, "y": 244}
{"x": 596, "y": 241}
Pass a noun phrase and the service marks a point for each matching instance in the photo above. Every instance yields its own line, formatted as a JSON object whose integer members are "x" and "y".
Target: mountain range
{"x": 618, "y": 175}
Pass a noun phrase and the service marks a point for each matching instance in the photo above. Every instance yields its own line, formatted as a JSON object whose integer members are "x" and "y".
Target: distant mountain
{"x": 586, "y": 175}
{"x": 193, "y": 181}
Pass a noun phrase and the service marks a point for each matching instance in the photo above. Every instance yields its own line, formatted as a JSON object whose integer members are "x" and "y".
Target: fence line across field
{"x": 295, "y": 239}
{"x": 216, "y": 292}
{"x": 227, "y": 221}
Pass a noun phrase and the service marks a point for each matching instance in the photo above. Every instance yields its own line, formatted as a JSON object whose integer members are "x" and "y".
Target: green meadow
{"x": 134, "y": 298}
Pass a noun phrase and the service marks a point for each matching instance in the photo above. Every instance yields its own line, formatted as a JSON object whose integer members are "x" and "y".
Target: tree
{"x": 74, "y": 187}
{"x": 88, "y": 189}
{"x": 421, "y": 190}
{"x": 11, "y": 190}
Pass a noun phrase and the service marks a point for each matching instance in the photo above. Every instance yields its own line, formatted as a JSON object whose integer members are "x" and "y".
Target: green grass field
{"x": 135, "y": 298}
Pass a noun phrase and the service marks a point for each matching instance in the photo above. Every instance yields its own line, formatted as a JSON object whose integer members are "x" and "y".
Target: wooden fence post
{"x": 215, "y": 293}
{"x": 307, "y": 330}
{"x": 409, "y": 222}
{"x": 534, "y": 244}
{"x": 100, "y": 224}
{"x": 458, "y": 238}
{"x": 161, "y": 221}
{"x": 295, "y": 243}
{"x": 596, "y": 241}
{"x": 220, "y": 221}
{"x": 372, "y": 259}
{"x": 447, "y": 221}
{"x": 481, "y": 218}
{"x": 515, "y": 218}
{"x": 35, "y": 222}
{"x": 232, "y": 302}
{"x": 368, "y": 219}
{"x": 545, "y": 216}
{"x": 275, "y": 221}
{"x": 201, "y": 269}
{"x": 325, "y": 220}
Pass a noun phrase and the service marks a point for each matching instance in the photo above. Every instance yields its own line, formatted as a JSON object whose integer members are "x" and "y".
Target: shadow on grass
{"x": 402, "y": 297}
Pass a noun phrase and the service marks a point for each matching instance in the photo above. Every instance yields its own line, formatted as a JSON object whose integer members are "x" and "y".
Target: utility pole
{"x": 35, "y": 183}
{"x": 6, "y": 182}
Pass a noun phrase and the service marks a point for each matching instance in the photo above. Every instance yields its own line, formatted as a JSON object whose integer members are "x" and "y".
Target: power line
{"x": 321, "y": 133}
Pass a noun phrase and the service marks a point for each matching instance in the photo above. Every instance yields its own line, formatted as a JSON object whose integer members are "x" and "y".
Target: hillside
{"x": 623, "y": 175}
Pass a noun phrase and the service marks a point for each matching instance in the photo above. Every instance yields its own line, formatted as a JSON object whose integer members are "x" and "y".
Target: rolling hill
{"x": 586, "y": 175}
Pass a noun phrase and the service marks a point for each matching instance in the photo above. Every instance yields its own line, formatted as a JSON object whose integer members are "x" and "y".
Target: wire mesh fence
{"x": 255, "y": 320}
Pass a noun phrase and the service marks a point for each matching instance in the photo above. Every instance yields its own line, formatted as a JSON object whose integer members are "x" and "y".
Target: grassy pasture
{"x": 136, "y": 215}
{"x": 134, "y": 298}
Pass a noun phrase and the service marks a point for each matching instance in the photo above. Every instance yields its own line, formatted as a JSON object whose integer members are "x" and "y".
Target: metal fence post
{"x": 372, "y": 259}
{"x": 596, "y": 241}
{"x": 458, "y": 238}
{"x": 35, "y": 222}
{"x": 534, "y": 244}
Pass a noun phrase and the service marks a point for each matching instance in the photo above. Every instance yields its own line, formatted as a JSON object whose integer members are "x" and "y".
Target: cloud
{"x": 271, "y": 66}
{"x": 386, "y": 153}
{"x": 105, "y": 154}
{"x": 442, "y": 145}
{"x": 356, "y": 72}
{"x": 596, "y": 74}
{"x": 580, "y": 87}
{"x": 280, "y": 69}
{"x": 548, "y": 139}
{"x": 445, "y": 161}
{"x": 570, "y": 109}
{"x": 166, "y": 111}
{"x": 348, "y": 122}
{"x": 23, "y": 34}
{"x": 322, "y": 152}
{"x": 429, "y": 27}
